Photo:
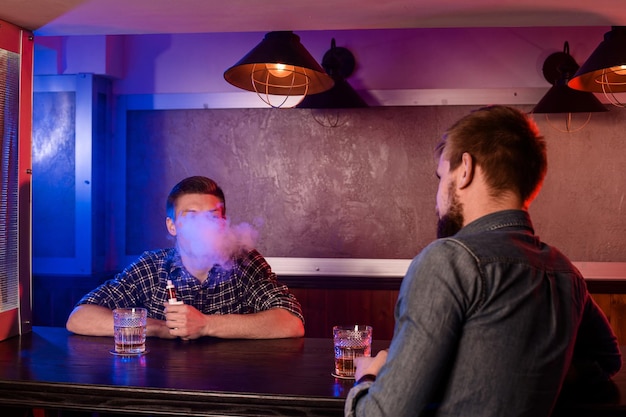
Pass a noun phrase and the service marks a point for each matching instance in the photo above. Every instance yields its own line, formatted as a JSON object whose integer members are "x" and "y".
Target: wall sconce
{"x": 557, "y": 69}
{"x": 605, "y": 69}
{"x": 339, "y": 63}
{"x": 280, "y": 70}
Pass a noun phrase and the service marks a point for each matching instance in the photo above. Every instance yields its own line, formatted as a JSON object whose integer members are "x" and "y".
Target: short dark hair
{"x": 505, "y": 143}
{"x": 193, "y": 185}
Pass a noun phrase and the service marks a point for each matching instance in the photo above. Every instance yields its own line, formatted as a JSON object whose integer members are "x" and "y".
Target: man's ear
{"x": 171, "y": 227}
{"x": 466, "y": 171}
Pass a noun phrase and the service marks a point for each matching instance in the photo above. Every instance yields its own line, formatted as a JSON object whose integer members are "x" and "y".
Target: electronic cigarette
{"x": 171, "y": 293}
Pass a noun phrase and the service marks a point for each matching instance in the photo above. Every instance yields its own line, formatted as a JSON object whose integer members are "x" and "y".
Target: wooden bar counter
{"x": 52, "y": 369}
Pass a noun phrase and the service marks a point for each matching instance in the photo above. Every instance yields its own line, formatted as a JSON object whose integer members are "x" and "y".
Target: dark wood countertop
{"x": 51, "y": 368}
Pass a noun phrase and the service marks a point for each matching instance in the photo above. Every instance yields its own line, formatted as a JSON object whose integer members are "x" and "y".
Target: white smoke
{"x": 211, "y": 240}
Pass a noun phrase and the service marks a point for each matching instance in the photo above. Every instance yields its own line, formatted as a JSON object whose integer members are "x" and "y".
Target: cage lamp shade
{"x": 279, "y": 65}
{"x": 605, "y": 69}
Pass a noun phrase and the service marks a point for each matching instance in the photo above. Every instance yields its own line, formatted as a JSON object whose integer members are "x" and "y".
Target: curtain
{"x": 9, "y": 104}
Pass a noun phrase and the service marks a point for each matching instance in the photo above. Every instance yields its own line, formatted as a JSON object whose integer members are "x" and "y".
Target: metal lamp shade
{"x": 301, "y": 76}
{"x": 605, "y": 70}
{"x": 562, "y": 99}
{"x": 340, "y": 96}
{"x": 339, "y": 63}
{"x": 557, "y": 69}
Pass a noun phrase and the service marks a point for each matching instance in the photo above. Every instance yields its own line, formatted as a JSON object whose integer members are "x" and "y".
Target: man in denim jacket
{"x": 489, "y": 319}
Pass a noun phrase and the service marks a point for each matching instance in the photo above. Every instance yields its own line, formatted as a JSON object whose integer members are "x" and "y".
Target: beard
{"x": 450, "y": 223}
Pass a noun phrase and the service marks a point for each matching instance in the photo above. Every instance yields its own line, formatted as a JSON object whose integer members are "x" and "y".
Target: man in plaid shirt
{"x": 226, "y": 293}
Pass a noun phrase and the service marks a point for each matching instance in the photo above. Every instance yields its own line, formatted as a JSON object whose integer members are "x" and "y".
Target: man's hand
{"x": 187, "y": 322}
{"x": 184, "y": 321}
{"x": 158, "y": 328}
{"x": 368, "y": 365}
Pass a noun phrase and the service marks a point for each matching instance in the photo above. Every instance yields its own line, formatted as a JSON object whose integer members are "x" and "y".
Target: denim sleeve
{"x": 353, "y": 396}
{"x": 597, "y": 355}
{"x": 441, "y": 285}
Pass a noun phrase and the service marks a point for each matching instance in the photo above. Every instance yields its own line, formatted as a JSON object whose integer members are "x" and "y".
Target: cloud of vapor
{"x": 211, "y": 240}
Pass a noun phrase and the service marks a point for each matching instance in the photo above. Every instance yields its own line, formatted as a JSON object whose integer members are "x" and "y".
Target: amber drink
{"x": 129, "y": 326}
{"x": 350, "y": 342}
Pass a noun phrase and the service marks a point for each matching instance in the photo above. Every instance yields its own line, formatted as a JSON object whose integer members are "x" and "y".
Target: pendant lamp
{"x": 280, "y": 71}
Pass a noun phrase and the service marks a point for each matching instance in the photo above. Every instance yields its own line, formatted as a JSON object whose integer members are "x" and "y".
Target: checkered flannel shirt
{"x": 249, "y": 286}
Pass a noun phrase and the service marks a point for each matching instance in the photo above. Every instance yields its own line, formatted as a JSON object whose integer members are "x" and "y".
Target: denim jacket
{"x": 487, "y": 324}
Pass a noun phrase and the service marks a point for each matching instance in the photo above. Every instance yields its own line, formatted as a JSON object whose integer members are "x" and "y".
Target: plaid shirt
{"x": 249, "y": 286}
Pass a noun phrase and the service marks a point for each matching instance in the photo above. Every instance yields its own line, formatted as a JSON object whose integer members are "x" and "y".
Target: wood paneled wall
{"x": 324, "y": 308}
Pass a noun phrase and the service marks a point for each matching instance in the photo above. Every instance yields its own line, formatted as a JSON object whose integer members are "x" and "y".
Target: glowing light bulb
{"x": 280, "y": 70}
{"x": 619, "y": 69}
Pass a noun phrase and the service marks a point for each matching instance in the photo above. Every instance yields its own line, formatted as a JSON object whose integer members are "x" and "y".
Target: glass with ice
{"x": 129, "y": 326}
{"x": 350, "y": 342}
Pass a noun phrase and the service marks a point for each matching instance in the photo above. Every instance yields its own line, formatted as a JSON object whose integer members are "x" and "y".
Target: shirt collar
{"x": 499, "y": 220}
